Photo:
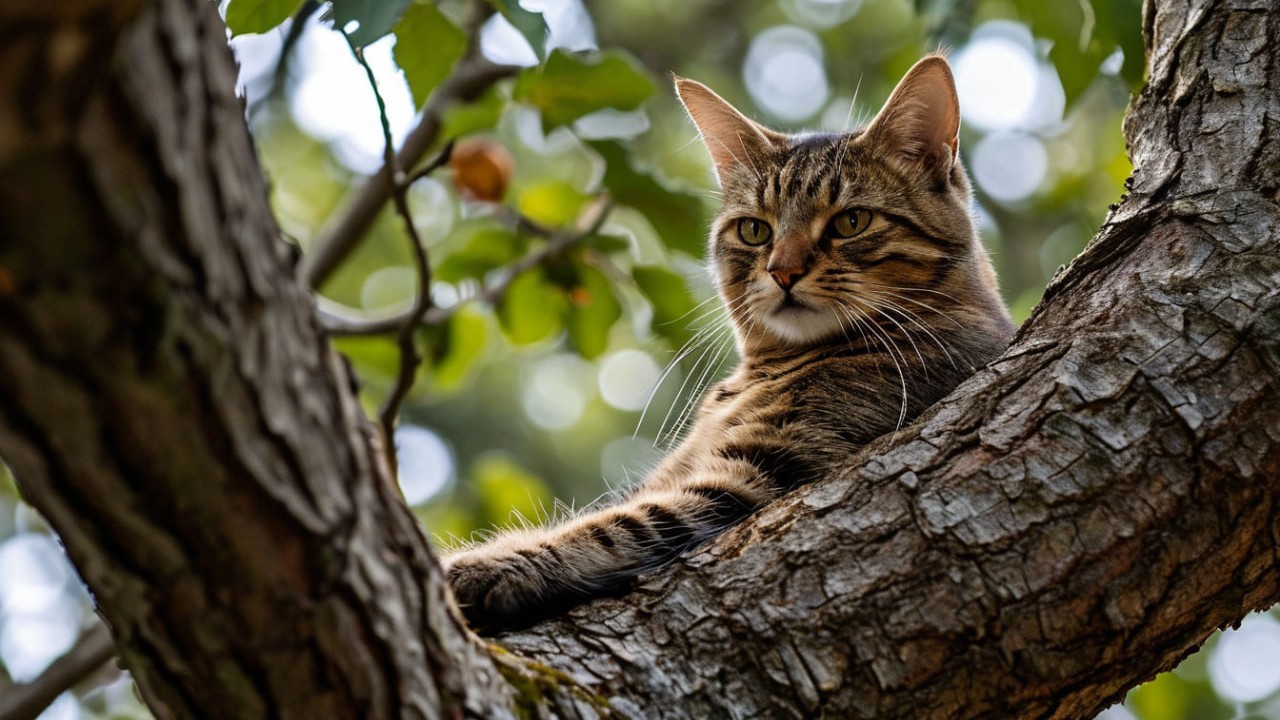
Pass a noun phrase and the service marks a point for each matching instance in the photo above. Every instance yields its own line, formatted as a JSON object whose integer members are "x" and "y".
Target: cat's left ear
{"x": 920, "y": 123}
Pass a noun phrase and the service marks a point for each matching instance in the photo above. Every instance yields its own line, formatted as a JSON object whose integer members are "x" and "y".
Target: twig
{"x": 25, "y": 701}
{"x": 410, "y": 358}
{"x": 470, "y": 78}
{"x": 342, "y": 321}
{"x": 440, "y": 160}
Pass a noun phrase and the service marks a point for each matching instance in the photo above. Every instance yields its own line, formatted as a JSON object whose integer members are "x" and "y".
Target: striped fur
{"x": 841, "y": 340}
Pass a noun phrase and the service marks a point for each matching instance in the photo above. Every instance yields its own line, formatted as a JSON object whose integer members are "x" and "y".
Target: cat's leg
{"x": 525, "y": 575}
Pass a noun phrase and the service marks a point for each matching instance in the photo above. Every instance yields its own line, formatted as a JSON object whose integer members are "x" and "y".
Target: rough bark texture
{"x": 168, "y": 401}
{"x": 1074, "y": 519}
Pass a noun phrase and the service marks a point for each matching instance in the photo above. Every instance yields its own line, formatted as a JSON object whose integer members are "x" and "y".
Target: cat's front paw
{"x": 497, "y": 591}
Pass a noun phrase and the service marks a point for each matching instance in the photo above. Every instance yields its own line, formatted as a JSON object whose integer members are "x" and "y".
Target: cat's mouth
{"x": 790, "y": 302}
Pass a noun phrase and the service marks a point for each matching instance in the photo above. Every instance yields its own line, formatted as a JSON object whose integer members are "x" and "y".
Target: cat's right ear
{"x": 732, "y": 138}
{"x": 920, "y": 123}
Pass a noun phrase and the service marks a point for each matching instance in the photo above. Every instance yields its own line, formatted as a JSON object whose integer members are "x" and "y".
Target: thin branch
{"x": 469, "y": 79}
{"x": 25, "y": 701}
{"x": 340, "y": 320}
{"x": 440, "y": 160}
{"x": 410, "y": 358}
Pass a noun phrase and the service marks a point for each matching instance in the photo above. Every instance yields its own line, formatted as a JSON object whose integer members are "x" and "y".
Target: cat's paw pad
{"x": 495, "y": 591}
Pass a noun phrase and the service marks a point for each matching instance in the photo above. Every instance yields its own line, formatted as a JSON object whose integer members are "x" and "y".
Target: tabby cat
{"x": 859, "y": 294}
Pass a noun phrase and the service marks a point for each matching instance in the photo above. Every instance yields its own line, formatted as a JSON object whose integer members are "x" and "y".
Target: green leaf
{"x": 465, "y": 341}
{"x": 531, "y": 308}
{"x": 678, "y": 216}
{"x": 608, "y": 244}
{"x": 258, "y": 16}
{"x": 375, "y": 358}
{"x": 481, "y": 114}
{"x": 551, "y": 203}
{"x": 428, "y": 45}
{"x": 567, "y": 86}
{"x": 1076, "y": 58}
{"x": 530, "y": 24}
{"x": 593, "y": 309}
{"x": 671, "y": 299}
{"x": 485, "y": 250}
{"x": 1119, "y": 23}
{"x": 375, "y": 18}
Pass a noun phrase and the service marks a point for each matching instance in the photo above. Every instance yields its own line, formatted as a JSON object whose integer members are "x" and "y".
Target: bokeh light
{"x": 389, "y": 288}
{"x": 1009, "y": 166}
{"x": 784, "y": 73}
{"x": 1116, "y": 712}
{"x": 997, "y": 76}
{"x": 426, "y": 465}
{"x": 568, "y": 27}
{"x": 332, "y": 100}
{"x": 627, "y": 378}
{"x": 29, "y": 641}
{"x": 820, "y": 13}
{"x": 1245, "y": 664}
{"x": 502, "y": 43}
{"x": 554, "y": 397}
{"x": 34, "y": 572}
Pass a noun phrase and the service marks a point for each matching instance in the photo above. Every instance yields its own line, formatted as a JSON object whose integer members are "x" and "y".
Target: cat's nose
{"x": 788, "y": 276}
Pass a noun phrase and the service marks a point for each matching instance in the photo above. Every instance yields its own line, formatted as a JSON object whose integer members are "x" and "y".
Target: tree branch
{"x": 25, "y": 701}
{"x": 410, "y": 358}
{"x": 339, "y": 321}
{"x": 1079, "y": 516}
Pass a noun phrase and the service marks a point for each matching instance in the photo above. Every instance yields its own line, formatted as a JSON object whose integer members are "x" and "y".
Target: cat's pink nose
{"x": 787, "y": 277}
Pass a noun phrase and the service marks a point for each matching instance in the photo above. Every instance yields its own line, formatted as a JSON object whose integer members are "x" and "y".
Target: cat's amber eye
{"x": 754, "y": 232}
{"x": 849, "y": 223}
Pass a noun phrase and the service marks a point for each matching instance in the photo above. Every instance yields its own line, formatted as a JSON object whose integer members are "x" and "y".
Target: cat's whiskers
{"x": 923, "y": 305}
{"x": 879, "y": 310}
{"x": 919, "y": 322}
{"x": 704, "y": 334}
{"x": 701, "y": 339}
{"x": 704, "y": 379}
{"x": 894, "y": 353}
{"x": 906, "y": 288}
{"x": 709, "y": 340}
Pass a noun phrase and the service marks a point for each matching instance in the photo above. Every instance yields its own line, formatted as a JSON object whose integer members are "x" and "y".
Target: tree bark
{"x": 168, "y": 400}
{"x": 1074, "y": 519}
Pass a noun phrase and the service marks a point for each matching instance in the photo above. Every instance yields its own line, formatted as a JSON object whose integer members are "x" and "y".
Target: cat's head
{"x": 820, "y": 232}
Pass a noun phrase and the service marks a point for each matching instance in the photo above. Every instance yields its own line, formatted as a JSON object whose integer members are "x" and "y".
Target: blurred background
{"x": 585, "y": 369}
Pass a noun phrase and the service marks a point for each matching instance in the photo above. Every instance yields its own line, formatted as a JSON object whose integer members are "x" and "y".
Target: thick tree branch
{"x": 1076, "y": 518}
{"x": 168, "y": 402}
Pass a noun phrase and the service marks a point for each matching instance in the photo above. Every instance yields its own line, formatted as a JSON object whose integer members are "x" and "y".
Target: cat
{"x": 859, "y": 294}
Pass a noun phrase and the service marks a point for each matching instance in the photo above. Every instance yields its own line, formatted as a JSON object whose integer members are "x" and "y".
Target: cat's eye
{"x": 848, "y": 224}
{"x": 754, "y": 232}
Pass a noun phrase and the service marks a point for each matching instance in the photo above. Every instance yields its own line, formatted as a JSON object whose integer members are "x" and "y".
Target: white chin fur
{"x": 801, "y": 326}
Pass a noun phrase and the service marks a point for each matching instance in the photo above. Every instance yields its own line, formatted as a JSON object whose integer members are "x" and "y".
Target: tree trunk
{"x": 168, "y": 401}
{"x": 1074, "y": 519}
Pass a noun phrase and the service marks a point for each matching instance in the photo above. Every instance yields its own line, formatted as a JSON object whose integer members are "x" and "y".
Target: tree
{"x": 1072, "y": 520}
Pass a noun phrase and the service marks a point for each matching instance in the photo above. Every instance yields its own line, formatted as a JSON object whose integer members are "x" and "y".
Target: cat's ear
{"x": 732, "y": 138}
{"x": 920, "y": 123}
